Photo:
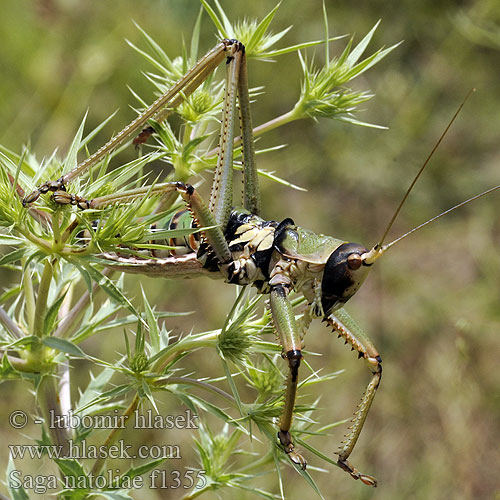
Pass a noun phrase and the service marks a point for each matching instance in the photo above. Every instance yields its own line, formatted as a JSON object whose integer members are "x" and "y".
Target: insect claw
{"x": 64, "y": 198}
{"x": 286, "y": 441}
{"x": 368, "y": 480}
{"x": 298, "y": 459}
{"x": 31, "y": 198}
{"x": 355, "y": 474}
{"x": 44, "y": 188}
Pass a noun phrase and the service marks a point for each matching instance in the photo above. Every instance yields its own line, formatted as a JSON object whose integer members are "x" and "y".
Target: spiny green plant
{"x": 55, "y": 300}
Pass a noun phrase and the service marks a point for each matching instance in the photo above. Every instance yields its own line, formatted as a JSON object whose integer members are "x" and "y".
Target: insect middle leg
{"x": 288, "y": 333}
{"x": 342, "y": 323}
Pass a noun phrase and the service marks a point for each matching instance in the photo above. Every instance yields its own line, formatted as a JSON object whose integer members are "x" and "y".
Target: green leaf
{"x": 154, "y": 62}
{"x": 271, "y": 40}
{"x": 234, "y": 390}
{"x": 305, "y": 474}
{"x": 279, "y": 180}
{"x": 209, "y": 407}
{"x": 106, "y": 396}
{"x": 95, "y": 387}
{"x": 12, "y": 256}
{"x": 195, "y": 38}
{"x": 139, "y": 339}
{"x": 71, "y": 160}
{"x": 99, "y": 325}
{"x": 261, "y": 29}
{"x": 50, "y": 319}
{"x": 5, "y": 367}
{"x": 159, "y": 52}
{"x": 345, "y": 53}
{"x": 70, "y": 467}
{"x": 360, "y": 48}
{"x": 299, "y": 46}
{"x": 353, "y": 121}
{"x": 127, "y": 347}
{"x": 227, "y": 24}
{"x": 176, "y": 233}
{"x": 27, "y": 341}
{"x": 112, "y": 291}
{"x": 145, "y": 391}
{"x": 215, "y": 19}
{"x": 86, "y": 276}
{"x": 142, "y": 469}
{"x": 65, "y": 346}
{"x": 325, "y": 24}
{"x": 253, "y": 490}
{"x": 17, "y": 493}
{"x": 191, "y": 146}
{"x": 7, "y": 239}
{"x": 92, "y": 323}
{"x": 96, "y": 130}
{"x": 154, "y": 333}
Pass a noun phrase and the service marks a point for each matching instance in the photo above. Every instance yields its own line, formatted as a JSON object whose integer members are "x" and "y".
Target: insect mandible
{"x": 237, "y": 245}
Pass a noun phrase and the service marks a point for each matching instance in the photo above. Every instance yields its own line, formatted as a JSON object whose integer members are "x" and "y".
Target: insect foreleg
{"x": 203, "y": 217}
{"x": 342, "y": 323}
{"x": 213, "y": 235}
{"x": 288, "y": 333}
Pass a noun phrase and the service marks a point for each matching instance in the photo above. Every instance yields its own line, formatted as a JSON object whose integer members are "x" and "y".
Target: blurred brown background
{"x": 431, "y": 306}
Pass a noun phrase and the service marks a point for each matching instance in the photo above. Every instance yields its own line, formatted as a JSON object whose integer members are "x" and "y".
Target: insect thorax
{"x": 256, "y": 255}
{"x": 261, "y": 253}
{"x": 251, "y": 242}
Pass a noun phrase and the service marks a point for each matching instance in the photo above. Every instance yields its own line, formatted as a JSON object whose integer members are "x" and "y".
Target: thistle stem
{"x": 194, "y": 382}
{"x": 29, "y": 296}
{"x": 114, "y": 434}
{"x": 50, "y": 405}
{"x": 41, "y": 302}
{"x": 279, "y": 121}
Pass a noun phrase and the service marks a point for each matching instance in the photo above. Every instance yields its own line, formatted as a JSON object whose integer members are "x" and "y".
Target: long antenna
{"x": 420, "y": 226}
{"x": 422, "y": 168}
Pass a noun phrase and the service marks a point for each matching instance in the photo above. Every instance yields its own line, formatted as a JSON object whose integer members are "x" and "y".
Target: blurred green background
{"x": 431, "y": 306}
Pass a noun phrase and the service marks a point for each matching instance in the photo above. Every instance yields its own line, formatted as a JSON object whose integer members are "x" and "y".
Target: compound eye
{"x": 354, "y": 261}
